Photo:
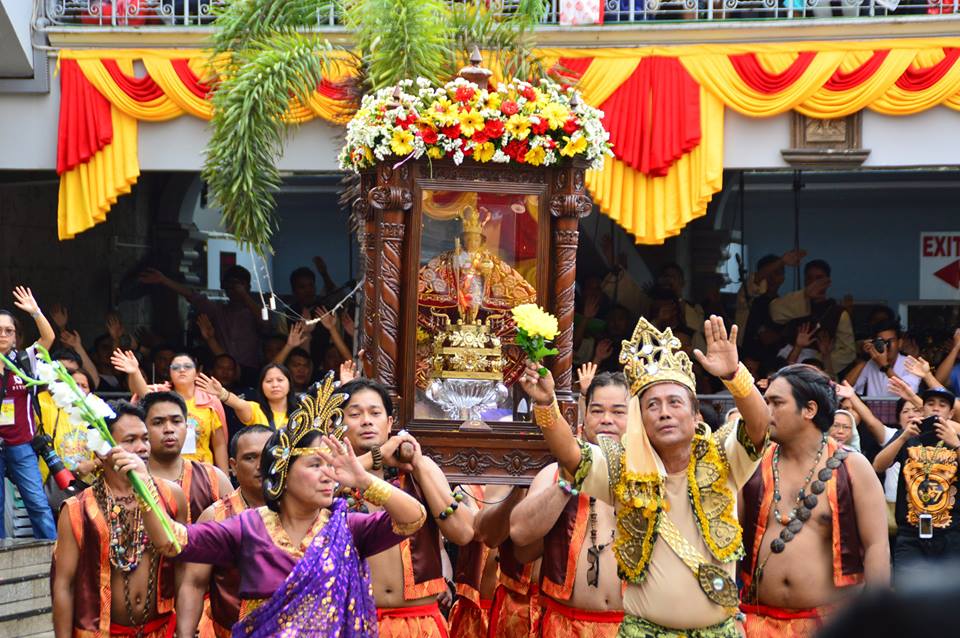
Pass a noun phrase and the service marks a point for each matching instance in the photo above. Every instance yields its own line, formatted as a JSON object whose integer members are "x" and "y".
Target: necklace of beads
{"x": 128, "y": 534}
{"x": 594, "y": 551}
{"x": 785, "y": 519}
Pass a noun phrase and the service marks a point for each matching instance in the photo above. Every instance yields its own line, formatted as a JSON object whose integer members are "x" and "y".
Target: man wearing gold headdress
{"x": 471, "y": 283}
{"x": 672, "y": 482}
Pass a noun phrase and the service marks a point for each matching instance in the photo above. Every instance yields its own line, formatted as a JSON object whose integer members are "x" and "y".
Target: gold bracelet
{"x": 742, "y": 383}
{"x": 408, "y": 529}
{"x": 378, "y": 493}
{"x": 547, "y": 417}
{"x": 152, "y": 490}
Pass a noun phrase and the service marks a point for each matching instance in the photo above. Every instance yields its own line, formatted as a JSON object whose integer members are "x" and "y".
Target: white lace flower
{"x": 99, "y": 407}
{"x": 46, "y": 372}
{"x": 61, "y": 394}
{"x": 96, "y": 442}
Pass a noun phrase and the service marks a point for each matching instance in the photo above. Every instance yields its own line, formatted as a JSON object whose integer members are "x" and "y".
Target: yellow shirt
{"x": 203, "y": 421}
{"x": 259, "y": 418}
{"x": 69, "y": 438}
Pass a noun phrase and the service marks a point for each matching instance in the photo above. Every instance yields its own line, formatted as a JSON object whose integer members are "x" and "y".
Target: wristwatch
{"x": 377, "y": 457}
{"x": 884, "y": 368}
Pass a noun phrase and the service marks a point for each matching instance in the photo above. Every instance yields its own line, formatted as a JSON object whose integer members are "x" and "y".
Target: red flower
{"x": 493, "y": 129}
{"x": 405, "y": 123}
{"x": 529, "y": 93}
{"x": 571, "y": 126}
{"x": 540, "y": 127}
{"x": 509, "y": 107}
{"x": 516, "y": 149}
{"x": 551, "y": 143}
{"x": 428, "y": 135}
{"x": 464, "y": 94}
{"x": 480, "y": 137}
{"x": 453, "y": 132}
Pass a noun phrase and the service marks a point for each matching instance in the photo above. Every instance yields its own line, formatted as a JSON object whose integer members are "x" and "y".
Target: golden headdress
{"x": 319, "y": 411}
{"x": 471, "y": 220}
{"x": 652, "y": 356}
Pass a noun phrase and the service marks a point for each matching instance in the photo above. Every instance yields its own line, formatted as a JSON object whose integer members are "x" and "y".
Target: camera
{"x": 43, "y": 445}
{"x": 880, "y": 344}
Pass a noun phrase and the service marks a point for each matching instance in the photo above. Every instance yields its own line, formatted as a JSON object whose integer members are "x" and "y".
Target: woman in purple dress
{"x": 302, "y": 557}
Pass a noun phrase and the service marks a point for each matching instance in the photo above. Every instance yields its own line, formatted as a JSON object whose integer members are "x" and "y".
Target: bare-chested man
{"x": 245, "y": 450}
{"x": 101, "y": 530}
{"x": 202, "y": 483}
{"x": 573, "y": 533}
{"x": 475, "y": 579}
{"x": 407, "y": 578}
{"x": 813, "y": 515}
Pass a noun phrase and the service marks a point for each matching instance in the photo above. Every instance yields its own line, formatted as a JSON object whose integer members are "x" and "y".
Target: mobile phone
{"x": 928, "y": 425}
{"x": 926, "y": 526}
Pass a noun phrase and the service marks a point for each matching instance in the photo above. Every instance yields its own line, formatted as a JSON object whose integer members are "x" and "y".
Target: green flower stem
{"x": 96, "y": 421}
{"x": 535, "y": 348}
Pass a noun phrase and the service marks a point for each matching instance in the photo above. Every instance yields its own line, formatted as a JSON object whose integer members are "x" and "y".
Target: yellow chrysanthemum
{"x": 535, "y": 156}
{"x": 484, "y": 152}
{"x": 367, "y": 153}
{"x": 535, "y": 321}
{"x": 574, "y": 145}
{"x": 435, "y": 152}
{"x": 443, "y": 112}
{"x": 518, "y": 126}
{"x": 493, "y": 102}
{"x": 555, "y": 114}
{"x": 470, "y": 121}
{"x": 402, "y": 142}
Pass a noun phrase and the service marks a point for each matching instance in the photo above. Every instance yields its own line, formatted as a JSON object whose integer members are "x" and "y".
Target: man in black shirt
{"x": 927, "y": 511}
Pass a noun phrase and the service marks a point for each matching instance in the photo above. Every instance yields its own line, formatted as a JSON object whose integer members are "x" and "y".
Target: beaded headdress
{"x": 651, "y": 356}
{"x": 319, "y": 411}
{"x": 472, "y": 222}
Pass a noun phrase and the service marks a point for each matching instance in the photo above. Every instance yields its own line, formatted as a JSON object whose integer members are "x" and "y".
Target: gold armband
{"x": 152, "y": 490}
{"x": 742, "y": 383}
{"x": 378, "y": 493}
{"x": 547, "y": 417}
{"x": 408, "y": 529}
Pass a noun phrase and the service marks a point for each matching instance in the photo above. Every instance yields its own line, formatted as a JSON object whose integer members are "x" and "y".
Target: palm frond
{"x": 508, "y": 38}
{"x": 249, "y": 129}
{"x": 242, "y": 22}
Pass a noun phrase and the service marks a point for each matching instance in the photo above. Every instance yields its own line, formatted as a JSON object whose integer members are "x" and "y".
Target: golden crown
{"x": 471, "y": 220}
{"x": 652, "y": 356}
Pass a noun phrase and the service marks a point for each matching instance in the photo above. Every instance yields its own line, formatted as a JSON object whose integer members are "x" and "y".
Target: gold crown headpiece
{"x": 319, "y": 411}
{"x": 652, "y": 356}
{"x": 471, "y": 220}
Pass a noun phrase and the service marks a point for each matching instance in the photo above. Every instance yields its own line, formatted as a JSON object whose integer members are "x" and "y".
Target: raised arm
{"x": 240, "y": 407}
{"x": 539, "y": 510}
{"x": 556, "y": 431}
{"x": 946, "y": 366}
{"x": 918, "y": 366}
{"x": 209, "y": 334}
{"x": 492, "y": 523}
{"x": 71, "y": 339}
{"x": 876, "y": 428}
{"x": 888, "y": 455}
{"x": 23, "y": 299}
{"x": 722, "y": 361}
{"x": 329, "y": 321}
{"x": 298, "y": 337}
{"x": 155, "y": 277}
{"x": 126, "y": 362}
{"x": 456, "y": 523}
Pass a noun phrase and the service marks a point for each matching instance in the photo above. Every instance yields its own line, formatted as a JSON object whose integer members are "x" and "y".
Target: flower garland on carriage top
{"x": 515, "y": 121}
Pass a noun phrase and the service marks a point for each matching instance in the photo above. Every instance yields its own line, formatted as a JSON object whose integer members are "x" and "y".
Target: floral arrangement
{"x": 516, "y": 121}
{"x": 89, "y": 409}
{"x": 535, "y": 327}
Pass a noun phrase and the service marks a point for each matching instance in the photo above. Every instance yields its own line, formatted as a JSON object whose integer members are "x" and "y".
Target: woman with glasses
{"x": 206, "y": 421}
{"x": 272, "y": 408}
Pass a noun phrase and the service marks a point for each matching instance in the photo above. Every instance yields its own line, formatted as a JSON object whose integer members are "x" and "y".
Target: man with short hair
{"x": 573, "y": 533}
{"x": 407, "y": 578}
{"x": 810, "y": 529}
{"x": 202, "y": 483}
{"x": 823, "y": 312}
{"x": 246, "y": 448}
{"x": 673, "y": 483}
{"x": 101, "y": 529}
{"x": 927, "y": 510}
{"x": 871, "y": 377}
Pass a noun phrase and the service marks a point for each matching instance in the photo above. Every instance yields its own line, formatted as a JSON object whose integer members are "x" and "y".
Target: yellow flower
{"x": 574, "y": 145}
{"x": 555, "y": 115}
{"x": 435, "y": 152}
{"x": 493, "y": 101}
{"x": 443, "y": 112}
{"x": 402, "y": 142}
{"x": 518, "y": 126}
{"x": 470, "y": 121}
{"x": 535, "y": 156}
{"x": 484, "y": 152}
{"x": 535, "y": 321}
{"x": 367, "y": 153}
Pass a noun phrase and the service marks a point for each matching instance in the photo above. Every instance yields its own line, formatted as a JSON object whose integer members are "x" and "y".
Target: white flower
{"x": 96, "y": 442}
{"x": 61, "y": 394}
{"x": 46, "y": 372}
{"x": 99, "y": 407}
{"x": 75, "y": 412}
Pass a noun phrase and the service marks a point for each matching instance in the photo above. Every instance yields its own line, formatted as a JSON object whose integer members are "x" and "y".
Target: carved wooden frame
{"x": 390, "y": 208}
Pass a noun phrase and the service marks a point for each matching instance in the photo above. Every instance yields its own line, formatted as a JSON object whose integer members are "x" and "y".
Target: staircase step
{"x": 24, "y": 587}
{"x": 42, "y": 634}
{"x": 20, "y": 552}
{"x": 13, "y": 575}
{"x": 26, "y": 606}
{"x": 24, "y": 624}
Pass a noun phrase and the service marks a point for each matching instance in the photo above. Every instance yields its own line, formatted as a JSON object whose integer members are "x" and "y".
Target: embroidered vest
{"x": 225, "y": 583}
{"x": 471, "y": 561}
{"x": 201, "y": 486}
{"x": 420, "y": 553}
{"x": 847, "y": 552}
{"x": 640, "y": 503}
{"x": 561, "y": 549}
{"x": 92, "y": 595}
{"x": 513, "y": 574}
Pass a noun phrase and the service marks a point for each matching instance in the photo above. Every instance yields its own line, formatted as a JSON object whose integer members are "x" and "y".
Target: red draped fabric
{"x": 750, "y": 70}
{"x": 140, "y": 89}
{"x": 654, "y": 117}
{"x": 85, "y": 125}
{"x": 923, "y": 78}
{"x": 570, "y": 70}
{"x": 190, "y": 79}
{"x": 841, "y": 81}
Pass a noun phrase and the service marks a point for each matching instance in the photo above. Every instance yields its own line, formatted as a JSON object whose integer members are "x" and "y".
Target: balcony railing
{"x": 188, "y": 13}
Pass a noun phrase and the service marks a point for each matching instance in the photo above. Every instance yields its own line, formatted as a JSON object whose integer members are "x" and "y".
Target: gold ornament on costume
{"x": 930, "y": 475}
{"x": 652, "y": 356}
{"x": 471, "y": 220}
{"x": 319, "y": 411}
{"x": 467, "y": 351}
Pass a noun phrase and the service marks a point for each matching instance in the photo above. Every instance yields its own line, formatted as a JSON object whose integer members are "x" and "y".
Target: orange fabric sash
{"x": 574, "y": 613}
{"x": 780, "y": 613}
{"x": 161, "y": 627}
{"x": 430, "y": 610}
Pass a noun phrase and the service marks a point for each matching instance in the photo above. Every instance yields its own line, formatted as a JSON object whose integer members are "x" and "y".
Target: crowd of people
{"x": 657, "y": 519}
